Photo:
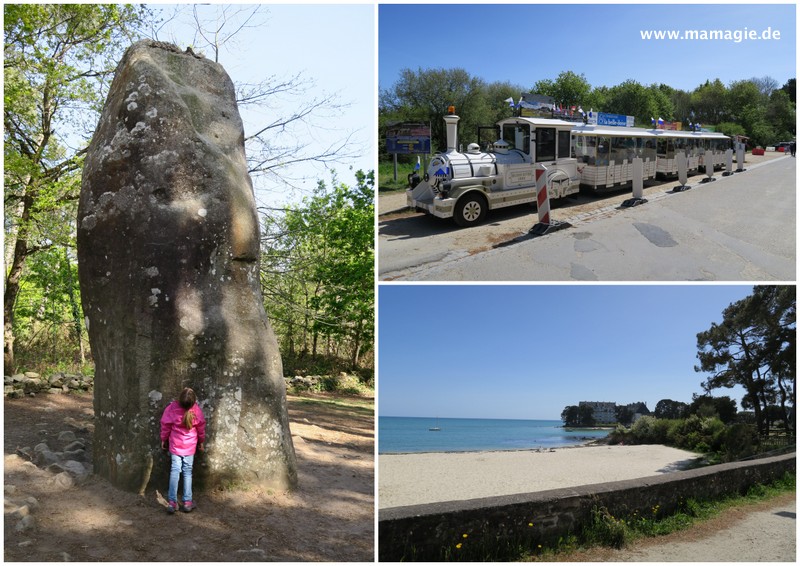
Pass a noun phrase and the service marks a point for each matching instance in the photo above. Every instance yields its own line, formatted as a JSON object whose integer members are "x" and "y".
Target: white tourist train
{"x": 466, "y": 185}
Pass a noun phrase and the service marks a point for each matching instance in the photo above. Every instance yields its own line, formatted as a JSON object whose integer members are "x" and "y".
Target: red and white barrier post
{"x": 545, "y": 225}
{"x": 542, "y": 197}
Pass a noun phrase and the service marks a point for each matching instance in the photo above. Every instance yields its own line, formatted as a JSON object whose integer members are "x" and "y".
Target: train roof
{"x": 543, "y": 122}
{"x": 681, "y": 134}
{"x": 625, "y": 131}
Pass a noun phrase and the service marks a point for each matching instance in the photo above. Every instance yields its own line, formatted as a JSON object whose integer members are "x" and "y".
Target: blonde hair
{"x": 187, "y": 400}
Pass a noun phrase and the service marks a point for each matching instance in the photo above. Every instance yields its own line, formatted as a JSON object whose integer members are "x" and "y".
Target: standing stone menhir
{"x": 168, "y": 249}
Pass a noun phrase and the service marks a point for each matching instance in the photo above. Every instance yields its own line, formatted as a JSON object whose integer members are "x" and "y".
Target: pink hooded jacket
{"x": 182, "y": 441}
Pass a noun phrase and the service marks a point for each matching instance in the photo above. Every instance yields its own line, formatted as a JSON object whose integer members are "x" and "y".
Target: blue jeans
{"x": 180, "y": 465}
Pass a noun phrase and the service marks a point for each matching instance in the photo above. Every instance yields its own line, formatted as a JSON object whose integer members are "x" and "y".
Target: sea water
{"x": 397, "y": 435}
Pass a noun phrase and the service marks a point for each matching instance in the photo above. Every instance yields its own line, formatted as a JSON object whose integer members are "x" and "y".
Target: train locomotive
{"x": 466, "y": 185}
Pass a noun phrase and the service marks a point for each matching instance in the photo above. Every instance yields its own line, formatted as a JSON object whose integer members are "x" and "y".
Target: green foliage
{"x": 568, "y": 89}
{"x": 57, "y": 61}
{"x": 317, "y": 272}
{"x": 386, "y": 180}
{"x": 693, "y": 433}
{"x": 669, "y": 409}
{"x": 752, "y": 107}
{"x": 342, "y": 384}
{"x": 708, "y": 406}
{"x": 578, "y": 415}
{"x": 606, "y": 530}
{"x": 633, "y": 99}
{"x": 740, "y": 440}
{"x": 754, "y": 346}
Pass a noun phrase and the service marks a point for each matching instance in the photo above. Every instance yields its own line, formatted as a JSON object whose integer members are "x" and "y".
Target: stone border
{"x": 30, "y": 383}
{"x": 432, "y": 531}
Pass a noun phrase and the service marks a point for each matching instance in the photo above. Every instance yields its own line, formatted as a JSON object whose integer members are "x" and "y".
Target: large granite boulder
{"x": 168, "y": 250}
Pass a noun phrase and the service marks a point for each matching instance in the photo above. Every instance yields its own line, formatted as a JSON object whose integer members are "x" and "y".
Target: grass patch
{"x": 345, "y": 384}
{"x": 386, "y": 182}
{"x": 359, "y": 405}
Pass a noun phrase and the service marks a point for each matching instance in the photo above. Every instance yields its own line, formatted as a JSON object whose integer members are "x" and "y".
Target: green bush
{"x": 739, "y": 440}
{"x": 607, "y": 530}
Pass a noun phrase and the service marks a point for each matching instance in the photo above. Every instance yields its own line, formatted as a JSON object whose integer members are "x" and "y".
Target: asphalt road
{"x": 736, "y": 228}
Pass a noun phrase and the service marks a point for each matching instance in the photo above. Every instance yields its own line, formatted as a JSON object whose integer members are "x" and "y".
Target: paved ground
{"x": 738, "y": 228}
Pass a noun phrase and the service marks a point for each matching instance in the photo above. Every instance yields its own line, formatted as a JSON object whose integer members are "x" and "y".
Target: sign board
{"x": 670, "y": 126}
{"x": 408, "y": 138}
{"x": 605, "y": 119}
{"x": 536, "y": 105}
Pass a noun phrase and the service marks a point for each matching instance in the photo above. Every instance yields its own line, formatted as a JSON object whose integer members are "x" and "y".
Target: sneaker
{"x": 172, "y": 507}
{"x": 188, "y": 506}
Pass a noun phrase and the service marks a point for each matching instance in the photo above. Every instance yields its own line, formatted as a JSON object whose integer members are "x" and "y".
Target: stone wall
{"x": 31, "y": 383}
{"x": 432, "y": 531}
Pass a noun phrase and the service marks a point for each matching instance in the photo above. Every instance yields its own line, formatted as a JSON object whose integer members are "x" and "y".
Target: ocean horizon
{"x": 410, "y": 435}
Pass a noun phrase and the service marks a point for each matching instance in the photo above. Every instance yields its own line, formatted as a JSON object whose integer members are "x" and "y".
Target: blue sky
{"x": 331, "y": 45}
{"x": 603, "y": 42}
{"x": 527, "y": 351}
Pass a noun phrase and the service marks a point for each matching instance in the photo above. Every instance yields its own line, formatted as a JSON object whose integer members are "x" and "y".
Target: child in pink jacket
{"x": 183, "y": 427}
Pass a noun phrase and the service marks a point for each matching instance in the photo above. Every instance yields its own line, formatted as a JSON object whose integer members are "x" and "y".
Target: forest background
{"x": 758, "y": 108}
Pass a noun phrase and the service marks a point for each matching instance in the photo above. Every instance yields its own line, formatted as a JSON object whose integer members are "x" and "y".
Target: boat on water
{"x": 435, "y": 428}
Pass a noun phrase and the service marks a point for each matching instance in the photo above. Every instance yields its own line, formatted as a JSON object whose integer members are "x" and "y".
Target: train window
{"x": 619, "y": 150}
{"x": 545, "y": 144}
{"x": 518, "y": 137}
{"x": 585, "y": 148}
{"x": 649, "y": 151}
{"x": 563, "y": 143}
{"x": 603, "y": 148}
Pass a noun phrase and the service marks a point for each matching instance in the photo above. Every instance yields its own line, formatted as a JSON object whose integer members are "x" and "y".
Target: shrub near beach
{"x": 706, "y": 435}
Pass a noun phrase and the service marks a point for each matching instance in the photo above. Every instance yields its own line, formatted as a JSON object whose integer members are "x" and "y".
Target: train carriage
{"x": 698, "y": 146}
{"x": 605, "y": 154}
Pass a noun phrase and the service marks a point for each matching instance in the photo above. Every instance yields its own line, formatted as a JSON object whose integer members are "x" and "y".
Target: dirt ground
{"x": 330, "y": 517}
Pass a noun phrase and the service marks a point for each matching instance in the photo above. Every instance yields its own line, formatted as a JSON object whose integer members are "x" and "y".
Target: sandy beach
{"x": 410, "y": 479}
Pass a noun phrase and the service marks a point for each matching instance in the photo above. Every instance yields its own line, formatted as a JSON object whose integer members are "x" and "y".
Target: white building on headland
{"x": 606, "y": 412}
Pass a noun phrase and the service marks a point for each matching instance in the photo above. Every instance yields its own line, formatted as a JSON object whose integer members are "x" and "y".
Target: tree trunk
{"x": 76, "y": 316}
{"x": 12, "y": 287}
